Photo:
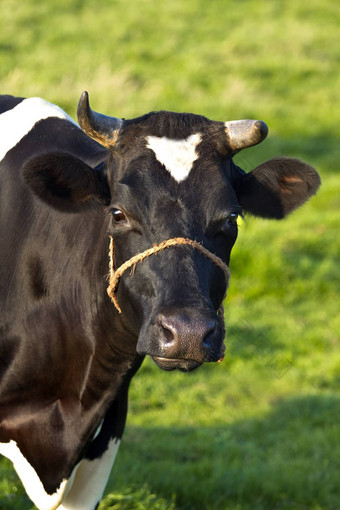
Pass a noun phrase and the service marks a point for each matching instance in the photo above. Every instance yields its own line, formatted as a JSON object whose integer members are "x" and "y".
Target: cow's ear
{"x": 66, "y": 183}
{"x": 277, "y": 187}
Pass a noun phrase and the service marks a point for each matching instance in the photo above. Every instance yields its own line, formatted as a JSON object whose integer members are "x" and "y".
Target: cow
{"x": 115, "y": 244}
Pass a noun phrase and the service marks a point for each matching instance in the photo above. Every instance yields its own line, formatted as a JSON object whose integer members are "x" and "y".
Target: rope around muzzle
{"x": 115, "y": 275}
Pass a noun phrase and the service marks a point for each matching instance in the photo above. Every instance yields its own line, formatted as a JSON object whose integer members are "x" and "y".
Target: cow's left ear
{"x": 277, "y": 187}
{"x": 66, "y": 182}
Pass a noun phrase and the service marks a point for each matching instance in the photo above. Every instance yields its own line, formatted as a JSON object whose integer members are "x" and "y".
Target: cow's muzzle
{"x": 183, "y": 338}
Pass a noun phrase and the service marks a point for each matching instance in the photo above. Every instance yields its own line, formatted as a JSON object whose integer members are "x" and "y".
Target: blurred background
{"x": 262, "y": 429}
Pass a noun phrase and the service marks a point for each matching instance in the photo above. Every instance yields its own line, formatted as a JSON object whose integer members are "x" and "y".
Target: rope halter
{"x": 114, "y": 276}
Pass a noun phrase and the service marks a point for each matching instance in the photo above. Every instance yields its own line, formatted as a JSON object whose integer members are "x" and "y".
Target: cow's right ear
{"x": 66, "y": 182}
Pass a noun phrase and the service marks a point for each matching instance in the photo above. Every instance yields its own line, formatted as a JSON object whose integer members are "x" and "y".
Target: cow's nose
{"x": 182, "y": 335}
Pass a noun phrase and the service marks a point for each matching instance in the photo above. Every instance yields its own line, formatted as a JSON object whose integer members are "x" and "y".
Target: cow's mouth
{"x": 184, "y": 365}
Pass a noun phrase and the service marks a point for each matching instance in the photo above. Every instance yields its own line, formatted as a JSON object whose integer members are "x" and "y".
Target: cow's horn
{"x": 245, "y": 133}
{"x": 101, "y": 128}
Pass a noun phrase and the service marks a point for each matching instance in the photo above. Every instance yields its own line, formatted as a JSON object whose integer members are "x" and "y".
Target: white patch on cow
{"x": 19, "y": 121}
{"x": 90, "y": 480}
{"x": 178, "y": 156}
{"x": 30, "y": 479}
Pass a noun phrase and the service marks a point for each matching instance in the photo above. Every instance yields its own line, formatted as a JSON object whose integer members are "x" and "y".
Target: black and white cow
{"x": 66, "y": 354}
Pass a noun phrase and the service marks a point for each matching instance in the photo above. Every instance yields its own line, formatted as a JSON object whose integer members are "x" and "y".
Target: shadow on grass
{"x": 290, "y": 459}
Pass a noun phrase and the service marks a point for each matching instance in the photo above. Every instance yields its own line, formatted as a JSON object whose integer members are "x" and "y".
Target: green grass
{"x": 259, "y": 431}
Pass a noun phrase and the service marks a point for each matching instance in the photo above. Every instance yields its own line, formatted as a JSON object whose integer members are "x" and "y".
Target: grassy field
{"x": 260, "y": 431}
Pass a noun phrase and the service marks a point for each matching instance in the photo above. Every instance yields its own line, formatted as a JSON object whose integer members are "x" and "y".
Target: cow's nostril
{"x": 167, "y": 329}
{"x": 168, "y": 334}
{"x": 210, "y": 329}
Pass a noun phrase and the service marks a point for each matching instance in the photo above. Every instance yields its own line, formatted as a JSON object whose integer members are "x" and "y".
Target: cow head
{"x": 170, "y": 175}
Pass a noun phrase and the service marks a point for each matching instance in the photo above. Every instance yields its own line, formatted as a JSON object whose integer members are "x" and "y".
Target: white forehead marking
{"x": 177, "y": 156}
{"x": 20, "y": 120}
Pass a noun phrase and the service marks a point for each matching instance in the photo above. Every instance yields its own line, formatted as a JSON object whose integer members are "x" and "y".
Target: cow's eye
{"x": 118, "y": 216}
{"x": 232, "y": 218}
